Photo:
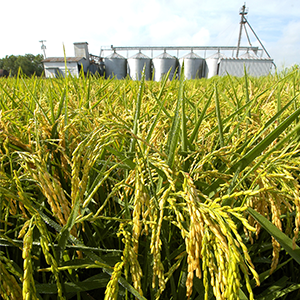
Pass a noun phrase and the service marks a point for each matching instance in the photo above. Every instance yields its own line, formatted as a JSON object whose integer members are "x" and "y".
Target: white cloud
{"x": 201, "y": 37}
{"x": 286, "y": 49}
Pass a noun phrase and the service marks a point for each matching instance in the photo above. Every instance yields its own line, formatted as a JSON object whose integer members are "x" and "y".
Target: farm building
{"x": 55, "y": 66}
{"x": 236, "y": 66}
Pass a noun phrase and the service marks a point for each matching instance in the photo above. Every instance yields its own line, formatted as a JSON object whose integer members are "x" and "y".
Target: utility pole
{"x": 43, "y": 47}
{"x": 243, "y": 12}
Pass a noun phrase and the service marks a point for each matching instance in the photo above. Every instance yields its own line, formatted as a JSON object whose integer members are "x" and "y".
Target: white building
{"x": 254, "y": 66}
{"x": 55, "y": 66}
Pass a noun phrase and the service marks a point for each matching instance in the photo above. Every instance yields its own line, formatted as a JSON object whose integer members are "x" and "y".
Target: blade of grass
{"x": 265, "y": 275}
{"x": 162, "y": 108}
{"x": 200, "y": 119}
{"x": 226, "y": 120}
{"x": 271, "y": 291}
{"x": 108, "y": 95}
{"x": 281, "y": 238}
{"x": 242, "y": 296}
{"x": 137, "y": 111}
{"x": 218, "y": 113}
{"x": 279, "y": 294}
{"x": 71, "y": 287}
{"x": 124, "y": 159}
{"x": 184, "y": 142}
{"x": 175, "y": 128}
{"x": 37, "y": 102}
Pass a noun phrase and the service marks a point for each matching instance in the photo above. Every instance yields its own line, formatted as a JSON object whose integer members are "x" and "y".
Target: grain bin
{"x": 193, "y": 66}
{"x": 162, "y": 64}
{"x": 212, "y": 64}
{"x": 115, "y": 65}
{"x": 136, "y": 65}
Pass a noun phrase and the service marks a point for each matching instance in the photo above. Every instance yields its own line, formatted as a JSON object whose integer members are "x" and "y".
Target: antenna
{"x": 43, "y": 47}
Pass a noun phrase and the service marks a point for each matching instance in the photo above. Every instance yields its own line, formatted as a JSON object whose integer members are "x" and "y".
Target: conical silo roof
{"x": 115, "y": 56}
{"x": 165, "y": 55}
{"x": 139, "y": 56}
{"x": 191, "y": 55}
{"x": 217, "y": 55}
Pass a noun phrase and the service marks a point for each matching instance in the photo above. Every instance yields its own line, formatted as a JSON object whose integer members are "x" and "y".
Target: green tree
{"x": 29, "y": 63}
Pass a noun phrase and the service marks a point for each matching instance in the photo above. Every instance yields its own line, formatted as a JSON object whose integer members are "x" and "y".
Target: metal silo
{"x": 193, "y": 66}
{"x": 162, "y": 64}
{"x": 115, "y": 65}
{"x": 212, "y": 64}
{"x": 136, "y": 65}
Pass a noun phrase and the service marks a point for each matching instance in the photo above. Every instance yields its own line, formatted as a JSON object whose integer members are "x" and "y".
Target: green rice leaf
{"x": 137, "y": 111}
{"x": 173, "y": 136}
{"x": 281, "y": 238}
{"x": 274, "y": 290}
{"x": 200, "y": 119}
{"x": 218, "y": 113}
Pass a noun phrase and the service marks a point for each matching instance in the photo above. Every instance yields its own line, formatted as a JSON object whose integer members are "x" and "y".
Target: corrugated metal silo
{"x": 162, "y": 64}
{"x": 212, "y": 64}
{"x": 193, "y": 66}
{"x": 136, "y": 65}
{"x": 115, "y": 65}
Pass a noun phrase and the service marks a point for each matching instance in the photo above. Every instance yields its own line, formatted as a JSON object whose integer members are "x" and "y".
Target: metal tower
{"x": 244, "y": 21}
{"x": 43, "y": 47}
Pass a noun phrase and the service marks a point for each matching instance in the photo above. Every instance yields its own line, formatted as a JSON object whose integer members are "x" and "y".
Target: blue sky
{"x": 148, "y": 23}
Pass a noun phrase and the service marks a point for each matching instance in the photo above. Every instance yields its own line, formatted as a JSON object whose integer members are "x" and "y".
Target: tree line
{"x": 29, "y": 64}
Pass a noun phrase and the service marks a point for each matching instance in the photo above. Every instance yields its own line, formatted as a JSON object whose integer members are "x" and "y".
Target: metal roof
{"x": 165, "y": 55}
{"x": 247, "y": 59}
{"x": 191, "y": 55}
{"x": 62, "y": 59}
{"x": 115, "y": 56}
{"x": 139, "y": 56}
{"x": 217, "y": 55}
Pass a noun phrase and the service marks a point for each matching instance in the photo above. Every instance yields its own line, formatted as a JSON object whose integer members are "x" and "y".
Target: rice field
{"x": 121, "y": 189}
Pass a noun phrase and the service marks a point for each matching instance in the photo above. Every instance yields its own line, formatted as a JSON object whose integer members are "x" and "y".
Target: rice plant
{"x": 121, "y": 189}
